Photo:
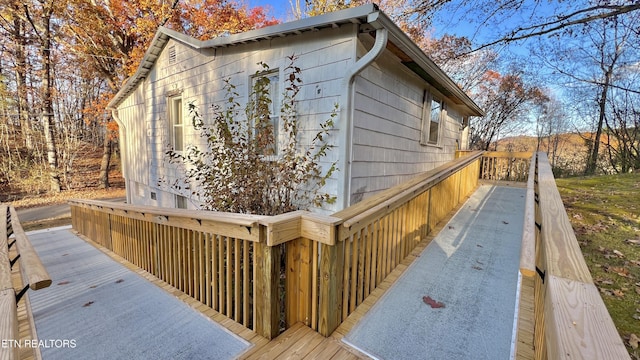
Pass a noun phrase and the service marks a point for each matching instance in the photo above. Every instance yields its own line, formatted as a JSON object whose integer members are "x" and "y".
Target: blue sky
{"x": 457, "y": 19}
{"x": 278, "y": 8}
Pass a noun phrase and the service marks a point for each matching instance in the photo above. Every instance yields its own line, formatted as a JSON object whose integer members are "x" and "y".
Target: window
{"x": 176, "y": 124}
{"x": 181, "y": 202}
{"x": 431, "y": 120}
{"x": 434, "y": 121}
{"x": 269, "y": 85}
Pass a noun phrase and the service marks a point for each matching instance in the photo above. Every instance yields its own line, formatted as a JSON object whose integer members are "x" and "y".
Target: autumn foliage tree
{"x": 113, "y": 35}
{"x": 504, "y": 99}
{"x": 62, "y": 61}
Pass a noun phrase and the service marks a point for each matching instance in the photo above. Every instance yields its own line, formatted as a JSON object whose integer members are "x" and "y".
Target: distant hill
{"x": 567, "y": 157}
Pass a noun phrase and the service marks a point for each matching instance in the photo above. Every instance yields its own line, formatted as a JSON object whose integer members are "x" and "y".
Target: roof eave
{"x": 368, "y": 13}
{"x": 402, "y": 41}
{"x": 355, "y": 15}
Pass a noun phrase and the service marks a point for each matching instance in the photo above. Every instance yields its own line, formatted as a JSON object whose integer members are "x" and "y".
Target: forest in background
{"x": 62, "y": 61}
{"x": 559, "y": 67}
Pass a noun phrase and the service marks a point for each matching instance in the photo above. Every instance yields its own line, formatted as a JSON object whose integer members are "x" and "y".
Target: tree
{"x": 318, "y": 7}
{"x": 535, "y": 18}
{"x": 243, "y": 166}
{"x": 453, "y": 55}
{"x": 112, "y": 36}
{"x": 504, "y": 99}
{"x": 623, "y": 133}
{"x": 43, "y": 32}
{"x": 551, "y": 124}
{"x": 596, "y": 67}
{"x": 14, "y": 27}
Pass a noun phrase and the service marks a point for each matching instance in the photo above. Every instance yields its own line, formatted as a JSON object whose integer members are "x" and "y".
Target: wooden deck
{"x": 299, "y": 341}
{"x": 393, "y": 217}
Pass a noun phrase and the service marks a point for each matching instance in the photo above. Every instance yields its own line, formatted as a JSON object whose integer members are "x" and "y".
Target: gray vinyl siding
{"x": 388, "y": 110}
{"x": 199, "y": 75}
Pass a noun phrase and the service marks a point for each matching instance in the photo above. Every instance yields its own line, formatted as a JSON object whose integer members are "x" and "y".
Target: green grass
{"x": 605, "y": 213}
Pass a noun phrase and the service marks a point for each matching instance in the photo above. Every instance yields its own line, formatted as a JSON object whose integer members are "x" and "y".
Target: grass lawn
{"x": 605, "y": 213}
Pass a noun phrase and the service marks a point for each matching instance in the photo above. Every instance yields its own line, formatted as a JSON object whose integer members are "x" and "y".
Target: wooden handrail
{"x": 8, "y": 324}
{"x": 505, "y": 166}
{"x": 8, "y": 311}
{"x": 509, "y": 155}
{"x": 34, "y": 276}
{"x": 5, "y": 268}
{"x": 219, "y": 216}
{"x": 242, "y": 226}
{"x": 573, "y": 321}
{"x": 528, "y": 249}
{"x": 389, "y": 199}
{"x": 33, "y": 271}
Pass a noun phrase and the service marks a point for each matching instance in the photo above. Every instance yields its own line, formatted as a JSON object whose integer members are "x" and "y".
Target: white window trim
{"x": 425, "y": 130}
{"x": 171, "y": 100}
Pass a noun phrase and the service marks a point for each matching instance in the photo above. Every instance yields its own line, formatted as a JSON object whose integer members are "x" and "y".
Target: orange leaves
{"x": 122, "y": 29}
{"x": 210, "y": 18}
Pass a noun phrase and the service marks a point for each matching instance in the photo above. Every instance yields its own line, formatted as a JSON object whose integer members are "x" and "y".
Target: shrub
{"x": 244, "y": 166}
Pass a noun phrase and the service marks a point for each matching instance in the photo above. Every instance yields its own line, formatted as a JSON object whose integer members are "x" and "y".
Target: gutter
{"x": 382, "y": 35}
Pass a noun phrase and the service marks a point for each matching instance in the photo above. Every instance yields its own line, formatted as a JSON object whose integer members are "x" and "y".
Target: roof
{"x": 399, "y": 43}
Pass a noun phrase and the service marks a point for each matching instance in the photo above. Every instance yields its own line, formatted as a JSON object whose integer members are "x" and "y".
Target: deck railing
{"x": 571, "y": 320}
{"x": 14, "y": 242}
{"x": 375, "y": 235}
{"x": 209, "y": 256}
{"x": 232, "y": 262}
{"x": 505, "y": 166}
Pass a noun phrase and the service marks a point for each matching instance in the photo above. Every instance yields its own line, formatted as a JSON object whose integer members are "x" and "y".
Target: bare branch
{"x": 562, "y": 23}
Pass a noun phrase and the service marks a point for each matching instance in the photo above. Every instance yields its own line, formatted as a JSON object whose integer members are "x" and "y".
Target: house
{"x": 399, "y": 114}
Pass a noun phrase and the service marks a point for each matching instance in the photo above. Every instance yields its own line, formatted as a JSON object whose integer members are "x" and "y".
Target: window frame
{"x": 275, "y": 111}
{"x": 426, "y": 131}
{"x": 172, "y": 99}
{"x": 181, "y": 202}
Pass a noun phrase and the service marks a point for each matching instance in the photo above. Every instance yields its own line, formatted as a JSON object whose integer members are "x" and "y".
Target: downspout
{"x": 124, "y": 156}
{"x": 348, "y": 110}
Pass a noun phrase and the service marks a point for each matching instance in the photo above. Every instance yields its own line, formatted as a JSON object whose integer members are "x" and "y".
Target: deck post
{"x": 330, "y": 304}
{"x": 267, "y": 275}
{"x": 298, "y": 293}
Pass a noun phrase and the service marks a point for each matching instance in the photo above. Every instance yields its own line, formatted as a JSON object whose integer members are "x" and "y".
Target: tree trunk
{"x": 47, "y": 104}
{"x": 592, "y": 161}
{"x": 106, "y": 161}
{"x": 21, "y": 80}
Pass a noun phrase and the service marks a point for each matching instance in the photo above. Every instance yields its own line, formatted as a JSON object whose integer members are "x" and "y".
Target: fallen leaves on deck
{"x": 434, "y": 304}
